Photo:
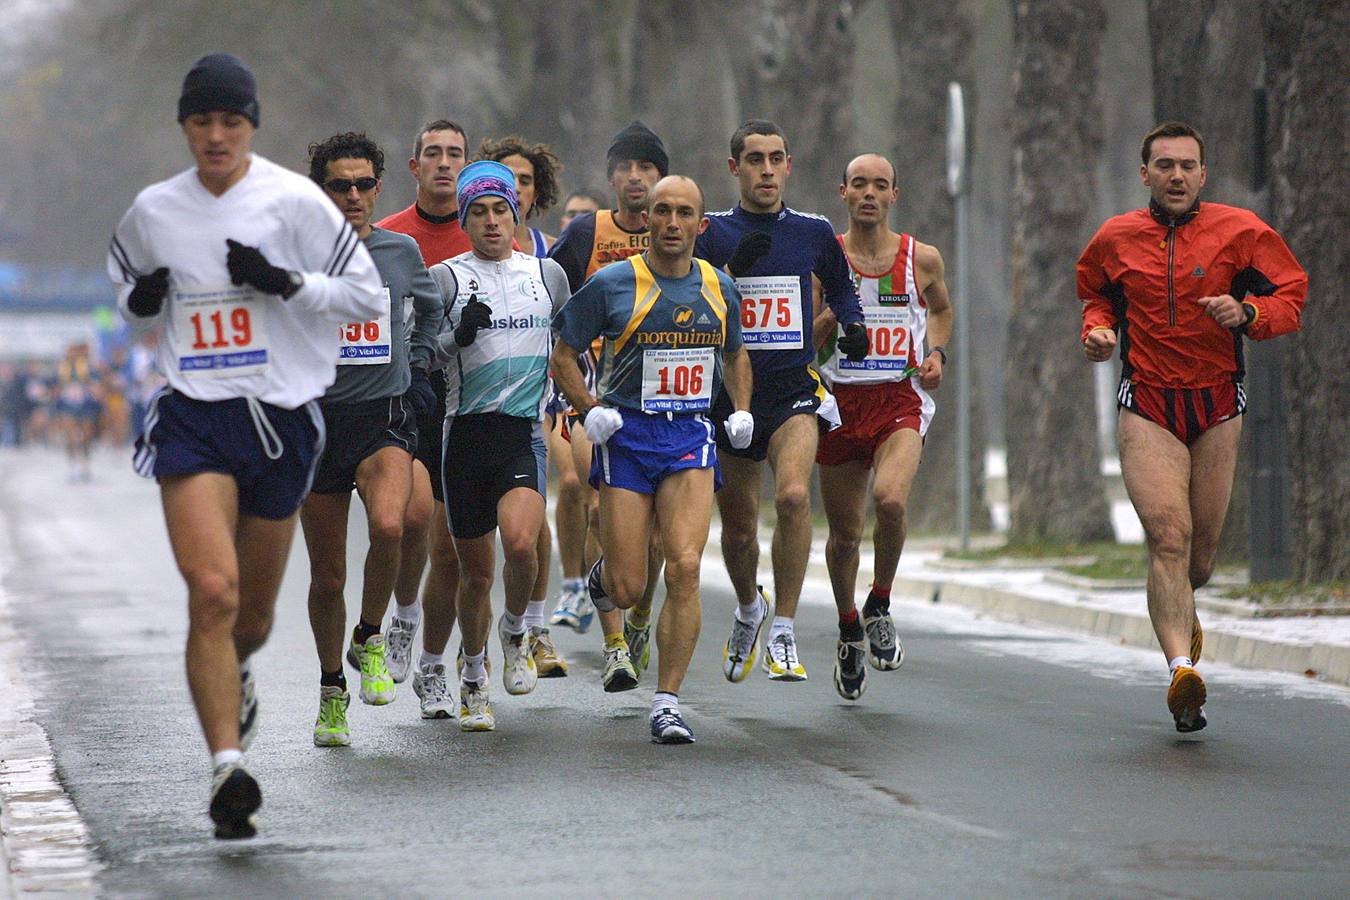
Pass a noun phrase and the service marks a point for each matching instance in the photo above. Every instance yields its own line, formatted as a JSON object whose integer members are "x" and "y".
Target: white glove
{"x": 601, "y": 422}
{"x": 740, "y": 427}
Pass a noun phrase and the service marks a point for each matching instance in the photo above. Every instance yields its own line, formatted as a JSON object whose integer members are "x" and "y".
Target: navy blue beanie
{"x": 219, "y": 81}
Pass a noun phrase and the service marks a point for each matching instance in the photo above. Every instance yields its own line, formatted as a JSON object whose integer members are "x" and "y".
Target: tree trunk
{"x": 1054, "y": 462}
{"x": 933, "y": 44}
{"x": 1307, "y": 72}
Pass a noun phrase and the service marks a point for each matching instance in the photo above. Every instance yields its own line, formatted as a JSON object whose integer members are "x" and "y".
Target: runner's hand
{"x": 854, "y": 343}
{"x": 1225, "y": 309}
{"x": 601, "y": 422}
{"x": 147, "y": 297}
{"x": 421, "y": 395}
{"x": 930, "y": 372}
{"x": 476, "y": 315}
{"x": 751, "y": 247}
{"x": 248, "y": 266}
{"x": 740, "y": 427}
{"x": 1099, "y": 344}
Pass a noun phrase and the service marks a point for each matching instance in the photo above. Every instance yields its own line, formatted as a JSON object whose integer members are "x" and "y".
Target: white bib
{"x": 220, "y": 332}
{"x": 771, "y": 312}
{"x": 677, "y": 380}
{"x": 892, "y": 343}
{"x": 368, "y": 343}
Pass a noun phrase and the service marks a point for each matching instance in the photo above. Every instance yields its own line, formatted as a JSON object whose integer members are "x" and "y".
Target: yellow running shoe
{"x": 1186, "y": 699}
{"x": 546, "y": 659}
{"x": 330, "y": 728}
{"x": 740, "y": 650}
{"x": 780, "y": 658}
{"x": 475, "y": 710}
{"x": 377, "y": 685}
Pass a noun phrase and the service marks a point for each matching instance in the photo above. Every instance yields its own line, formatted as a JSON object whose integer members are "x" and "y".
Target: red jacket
{"x": 1143, "y": 272}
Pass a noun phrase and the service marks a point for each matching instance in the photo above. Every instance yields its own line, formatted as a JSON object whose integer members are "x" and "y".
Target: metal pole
{"x": 959, "y": 190}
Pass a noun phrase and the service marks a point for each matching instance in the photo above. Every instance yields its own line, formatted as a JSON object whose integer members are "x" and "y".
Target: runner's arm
{"x": 555, "y": 281}
{"x": 428, "y": 312}
{"x": 1278, "y": 286}
{"x": 579, "y": 321}
{"x": 572, "y": 250}
{"x": 823, "y": 322}
{"x": 1093, "y": 285}
{"x": 340, "y": 279}
{"x": 567, "y": 377}
{"x": 933, "y": 287}
{"x": 127, "y": 261}
{"x": 443, "y": 277}
{"x": 737, "y": 377}
{"x": 837, "y": 282}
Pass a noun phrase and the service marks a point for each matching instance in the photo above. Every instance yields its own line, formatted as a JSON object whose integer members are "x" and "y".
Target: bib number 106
{"x": 210, "y": 330}
{"x": 680, "y": 381}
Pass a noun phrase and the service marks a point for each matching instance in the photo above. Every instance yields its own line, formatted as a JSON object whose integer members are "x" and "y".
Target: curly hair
{"x": 348, "y": 145}
{"x": 546, "y": 165}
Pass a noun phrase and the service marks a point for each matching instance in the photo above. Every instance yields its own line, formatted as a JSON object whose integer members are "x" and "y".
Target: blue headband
{"x": 486, "y": 178}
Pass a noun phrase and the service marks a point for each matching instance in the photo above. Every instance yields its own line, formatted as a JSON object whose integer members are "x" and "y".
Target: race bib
{"x": 220, "y": 332}
{"x": 677, "y": 380}
{"x": 771, "y": 312}
{"x": 367, "y": 343}
{"x": 889, "y": 333}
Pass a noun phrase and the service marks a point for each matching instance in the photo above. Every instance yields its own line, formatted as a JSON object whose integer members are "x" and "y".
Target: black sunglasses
{"x": 343, "y": 185}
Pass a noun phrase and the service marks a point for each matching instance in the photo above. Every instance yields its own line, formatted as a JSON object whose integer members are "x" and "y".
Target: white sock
{"x": 428, "y": 660}
{"x": 665, "y": 700}
{"x": 226, "y": 757}
{"x": 474, "y": 670}
{"x": 781, "y": 625}
{"x": 1179, "y": 661}
{"x": 411, "y": 614}
{"x": 534, "y": 614}
{"x": 751, "y": 613}
{"x": 513, "y": 624}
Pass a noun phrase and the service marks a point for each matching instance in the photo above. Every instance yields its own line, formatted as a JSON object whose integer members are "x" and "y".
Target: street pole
{"x": 959, "y": 190}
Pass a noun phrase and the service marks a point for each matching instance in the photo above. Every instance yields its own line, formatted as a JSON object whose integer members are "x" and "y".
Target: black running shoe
{"x": 850, "y": 669}
{"x": 668, "y": 727}
{"x": 235, "y": 797}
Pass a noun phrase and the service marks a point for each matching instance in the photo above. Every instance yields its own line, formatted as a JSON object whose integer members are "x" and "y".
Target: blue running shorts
{"x": 649, "y": 447}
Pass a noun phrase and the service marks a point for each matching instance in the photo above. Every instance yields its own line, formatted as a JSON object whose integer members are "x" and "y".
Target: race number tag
{"x": 220, "y": 332}
{"x": 771, "y": 312}
{"x": 888, "y": 332}
{"x": 367, "y": 343}
{"x": 677, "y": 380}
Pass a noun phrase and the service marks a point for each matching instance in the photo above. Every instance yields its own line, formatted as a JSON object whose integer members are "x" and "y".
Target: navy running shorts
{"x": 774, "y": 401}
{"x": 357, "y": 431}
{"x": 487, "y": 455}
{"x": 651, "y": 446}
{"x": 431, "y": 434}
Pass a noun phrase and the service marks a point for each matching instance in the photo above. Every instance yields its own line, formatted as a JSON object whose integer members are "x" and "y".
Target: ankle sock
{"x": 409, "y": 615}
{"x": 751, "y": 613}
{"x": 781, "y": 625}
{"x": 615, "y": 640}
{"x": 512, "y": 624}
{"x": 226, "y": 757}
{"x": 333, "y": 679}
{"x": 878, "y": 602}
{"x": 474, "y": 669}
{"x": 1179, "y": 661}
{"x": 850, "y": 626}
{"x": 427, "y": 660}
{"x": 534, "y": 614}
{"x": 665, "y": 700}
{"x": 363, "y": 631}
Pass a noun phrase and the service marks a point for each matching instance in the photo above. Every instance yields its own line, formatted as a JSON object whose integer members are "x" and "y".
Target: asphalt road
{"x": 999, "y": 761}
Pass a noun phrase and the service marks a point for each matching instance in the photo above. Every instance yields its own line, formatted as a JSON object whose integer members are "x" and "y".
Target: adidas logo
{"x": 703, "y": 319}
{"x": 1199, "y": 272}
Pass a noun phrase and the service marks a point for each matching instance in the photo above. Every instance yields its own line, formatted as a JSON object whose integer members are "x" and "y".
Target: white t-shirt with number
{"x": 219, "y": 340}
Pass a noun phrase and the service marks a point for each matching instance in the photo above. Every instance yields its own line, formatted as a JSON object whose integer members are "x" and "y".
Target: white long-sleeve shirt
{"x": 219, "y": 341}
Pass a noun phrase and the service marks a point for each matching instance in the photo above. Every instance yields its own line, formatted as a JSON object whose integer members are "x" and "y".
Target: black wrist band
{"x": 940, "y": 352}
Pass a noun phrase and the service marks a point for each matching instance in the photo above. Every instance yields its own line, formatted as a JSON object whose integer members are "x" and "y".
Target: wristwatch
{"x": 295, "y": 281}
{"x": 940, "y": 352}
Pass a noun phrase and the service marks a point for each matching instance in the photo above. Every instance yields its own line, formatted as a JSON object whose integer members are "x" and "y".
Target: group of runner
{"x": 431, "y": 361}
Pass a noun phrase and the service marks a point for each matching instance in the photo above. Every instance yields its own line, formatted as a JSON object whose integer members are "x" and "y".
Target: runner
{"x": 577, "y": 202}
{"x": 432, "y": 221}
{"x": 246, "y": 269}
{"x": 372, "y": 433}
{"x": 885, "y": 408}
{"x": 536, "y": 170}
{"x": 669, "y": 343}
{"x": 1179, "y": 285}
{"x": 777, "y": 255}
{"x": 501, "y": 306}
{"x": 635, "y": 161}
{"x": 77, "y": 409}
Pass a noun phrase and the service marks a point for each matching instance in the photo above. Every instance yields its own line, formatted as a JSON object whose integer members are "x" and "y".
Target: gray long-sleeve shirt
{"x": 375, "y": 357}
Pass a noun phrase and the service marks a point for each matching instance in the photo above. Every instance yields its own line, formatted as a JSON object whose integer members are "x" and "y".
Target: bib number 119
{"x": 209, "y": 330}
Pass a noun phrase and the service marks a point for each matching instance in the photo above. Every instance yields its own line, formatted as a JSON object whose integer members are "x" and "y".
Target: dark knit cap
{"x": 637, "y": 141}
{"x": 219, "y": 81}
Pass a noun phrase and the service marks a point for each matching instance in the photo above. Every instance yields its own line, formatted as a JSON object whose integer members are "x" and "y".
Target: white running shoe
{"x": 475, "y": 709}
{"x": 738, "y": 654}
{"x": 398, "y": 645}
{"x": 519, "y": 674}
{"x": 780, "y": 658}
{"x": 433, "y": 690}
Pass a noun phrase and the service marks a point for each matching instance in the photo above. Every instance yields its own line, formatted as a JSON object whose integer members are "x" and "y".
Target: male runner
{"x": 372, "y": 434}
{"x": 776, "y": 255}
{"x": 577, "y": 202}
{"x": 885, "y": 407}
{"x": 501, "y": 306}
{"x": 536, "y": 168}
{"x": 246, "y": 270}
{"x": 439, "y": 153}
{"x": 669, "y": 343}
{"x": 1178, "y": 285}
{"x": 635, "y": 161}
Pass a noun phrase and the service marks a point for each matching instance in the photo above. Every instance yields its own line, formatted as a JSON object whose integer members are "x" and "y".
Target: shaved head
{"x": 676, "y": 184}
{"x": 869, "y": 158}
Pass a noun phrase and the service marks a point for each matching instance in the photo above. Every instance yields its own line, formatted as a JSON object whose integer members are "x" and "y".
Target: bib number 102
{"x": 680, "y": 381}
{"x": 209, "y": 330}
{"x": 888, "y": 341}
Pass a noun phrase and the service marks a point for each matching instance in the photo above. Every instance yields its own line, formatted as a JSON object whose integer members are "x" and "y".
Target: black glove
{"x": 147, "y": 297}
{"x": 421, "y": 395}
{"x": 854, "y": 343}
{"x": 476, "y": 315}
{"x": 751, "y": 247}
{"x": 248, "y": 266}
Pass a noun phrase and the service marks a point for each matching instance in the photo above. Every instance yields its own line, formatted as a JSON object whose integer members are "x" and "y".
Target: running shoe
{"x": 669, "y": 727}
{"x": 519, "y": 675}
{"x": 1186, "y": 699}
{"x": 884, "y": 650}
{"x": 780, "y": 658}
{"x": 398, "y": 648}
{"x": 619, "y": 674}
{"x": 235, "y": 797}
{"x": 330, "y": 728}
{"x": 377, "y": 686}
{"x": 546, "y": 659}
{"x": 639, "y": 645}
{"x": 585, "y": 614}
{"x": 248, "y": 708}
{"x": 1197, "y": 642}
{"x": 595, "y": 590}
{"x": 850, "y": 669}
{"x": 433, "y": 691}
{"x": 738, "y": 656}
{"x": 566, "y": 611}
{"x": 475, "y": 709}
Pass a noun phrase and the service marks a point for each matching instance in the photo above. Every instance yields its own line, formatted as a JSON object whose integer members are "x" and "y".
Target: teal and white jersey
{"x": 505, "y": 369}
